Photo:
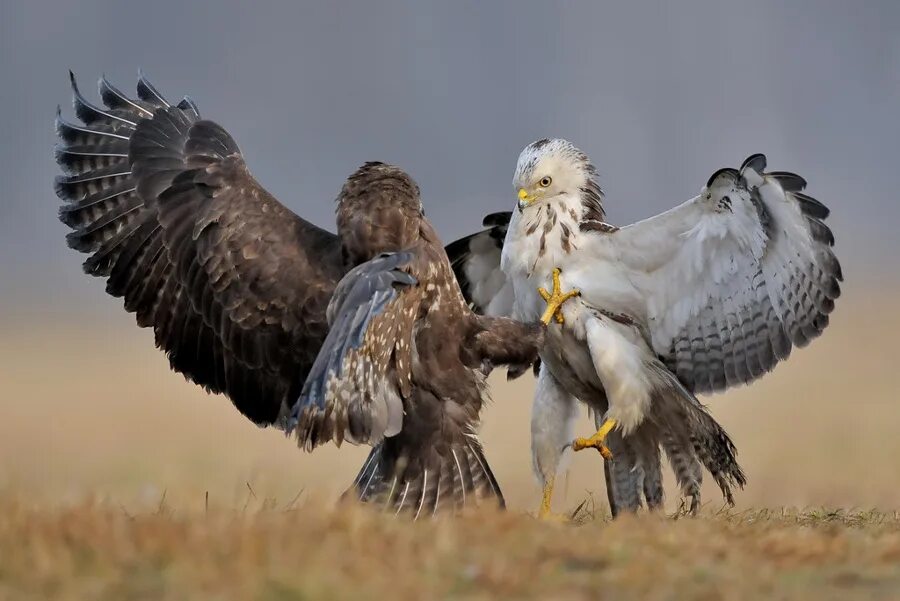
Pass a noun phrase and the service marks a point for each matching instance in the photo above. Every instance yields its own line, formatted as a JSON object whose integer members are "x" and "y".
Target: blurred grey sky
{"x": 659, "y": 94}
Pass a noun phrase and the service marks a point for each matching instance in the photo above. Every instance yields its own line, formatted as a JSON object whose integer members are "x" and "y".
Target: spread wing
{"x": 233, "y": 283}
{"x": 735, "y": 277}
{"x": 476, "y": 263}
{"x": 356, "y": 387}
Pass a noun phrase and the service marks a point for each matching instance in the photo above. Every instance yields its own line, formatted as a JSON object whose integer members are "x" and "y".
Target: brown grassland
{"x": 121, "y": 481}
{"x": 100, "y": 551}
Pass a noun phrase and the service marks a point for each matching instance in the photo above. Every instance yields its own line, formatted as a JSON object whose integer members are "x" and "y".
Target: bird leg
{"x": 597, "y": 440}
{"x": 546, "y": 499}
{"x": 555, "y": 299}
{"x": 544, "y": 512}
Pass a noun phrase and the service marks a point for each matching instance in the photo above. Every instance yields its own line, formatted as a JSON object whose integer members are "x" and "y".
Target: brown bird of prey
{"x": 235, "y": 287}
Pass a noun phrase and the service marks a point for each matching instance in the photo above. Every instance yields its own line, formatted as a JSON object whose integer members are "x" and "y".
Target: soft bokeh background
{"x": 659, "y": 94}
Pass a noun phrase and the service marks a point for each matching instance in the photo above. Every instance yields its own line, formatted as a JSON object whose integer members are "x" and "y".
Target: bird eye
{"x": 545, "y": 181}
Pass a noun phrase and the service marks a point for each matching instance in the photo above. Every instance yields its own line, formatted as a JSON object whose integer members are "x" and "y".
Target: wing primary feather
{"x": 810, "y": 206}
{"x": 501, "y": 218}
{"x": 757, "y": 162}
{"x": 727, "y": 172}
{"x": 68, "y": 131}
{"x": 790, "y": 182}
{"x": 147, "y": 92}
{"x": 113, "y": 98}
{"x": 188, "y": 104}
{"x": 88, "y": 112}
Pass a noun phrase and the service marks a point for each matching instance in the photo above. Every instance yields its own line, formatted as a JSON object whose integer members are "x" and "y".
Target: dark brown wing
{"x": 233, "y": 283}
{"x": 356, "y": 387}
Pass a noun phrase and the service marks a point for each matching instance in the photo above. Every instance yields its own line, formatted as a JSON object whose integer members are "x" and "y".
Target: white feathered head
{"x": 551, "y": 168}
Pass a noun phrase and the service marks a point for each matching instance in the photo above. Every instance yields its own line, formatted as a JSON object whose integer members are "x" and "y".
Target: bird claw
{"x": 580, "y": 444}
{"x": 545, "y": 514}
{"x": 597, "y": 441}
{"x": 554, "y": 518}
{"x": 555, "y": 299}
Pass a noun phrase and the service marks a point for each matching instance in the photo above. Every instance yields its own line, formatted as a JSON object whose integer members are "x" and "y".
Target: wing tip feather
{"x": 724, "y": 172}
{"x": 757, "y": 162}
{"x": 789, "y": 182}
{"x": 500, "y": 218}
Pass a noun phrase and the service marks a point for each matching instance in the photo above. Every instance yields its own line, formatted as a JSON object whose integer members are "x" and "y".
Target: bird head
{"x": 549, "y": 168}
{"x": 379, "y": 210}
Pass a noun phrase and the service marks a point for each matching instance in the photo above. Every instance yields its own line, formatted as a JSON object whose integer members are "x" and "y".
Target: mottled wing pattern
{"x": 476, "y": 263}
{"x": 233, "y": 283}
{"x": 356, "y": 387}
{"x": 736, "y": 277}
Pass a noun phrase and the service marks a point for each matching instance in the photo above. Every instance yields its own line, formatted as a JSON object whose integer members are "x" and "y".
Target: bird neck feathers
{"x": 592, "y": 202}
{"x": 543, "y": 235}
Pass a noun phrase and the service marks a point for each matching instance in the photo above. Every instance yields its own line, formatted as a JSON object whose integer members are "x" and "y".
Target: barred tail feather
{"x": 423, "y": 484}
{"x": 652, "y": 480}
{"x": 634, "y": 474}
{"x": 689, "y": 426}
{"x": 623, "y": 475}
{"x": 687, "y": 468}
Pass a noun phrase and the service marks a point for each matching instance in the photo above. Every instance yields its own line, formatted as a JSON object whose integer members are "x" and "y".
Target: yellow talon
{"x": 596, "y": 441}
{"x": 546, "y": 499}
{"x": 544, "y": 512}
{"x": 555, "y": 299}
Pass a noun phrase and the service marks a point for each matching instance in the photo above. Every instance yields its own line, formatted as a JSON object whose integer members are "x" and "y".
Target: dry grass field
{"x": 103, "y": 552}
{"x": 121, "y": 481}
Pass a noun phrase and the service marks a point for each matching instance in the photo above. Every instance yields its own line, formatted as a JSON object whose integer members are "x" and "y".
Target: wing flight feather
{"x": 476, "y": 263}
{"x": 734, "y": 278}
{"x": 356, "y": 387}
{"x": 232, "y": 282}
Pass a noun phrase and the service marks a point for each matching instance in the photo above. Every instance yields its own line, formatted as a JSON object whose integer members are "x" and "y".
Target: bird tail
{"x": 652, "y": 476}
{"x": 692, "y": 436}
{"x": 424, "y": 483}
{"x": 687, "y": 468}
{"x": 634, "y": 474}
{"x": 623, "y": 477}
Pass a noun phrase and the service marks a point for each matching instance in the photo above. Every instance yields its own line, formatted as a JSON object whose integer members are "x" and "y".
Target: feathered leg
{"x": 618, "y": 361}
{"x": 553, "y": 415}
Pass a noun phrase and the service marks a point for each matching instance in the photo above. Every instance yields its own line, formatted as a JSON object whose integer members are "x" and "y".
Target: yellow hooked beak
{"x": 525, "y": 199}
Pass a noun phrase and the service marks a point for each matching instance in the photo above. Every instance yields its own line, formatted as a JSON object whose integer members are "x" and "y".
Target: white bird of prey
{"x": 710, "y": 294}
